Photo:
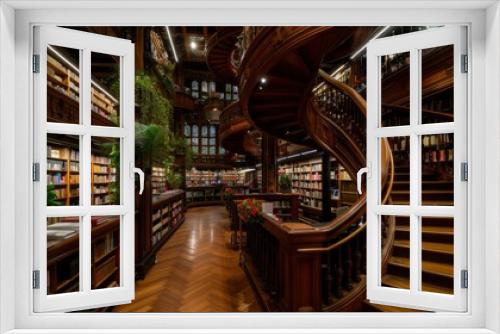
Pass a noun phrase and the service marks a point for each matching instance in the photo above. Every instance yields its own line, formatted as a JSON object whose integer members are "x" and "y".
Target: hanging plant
{"x": 154, "y": 107}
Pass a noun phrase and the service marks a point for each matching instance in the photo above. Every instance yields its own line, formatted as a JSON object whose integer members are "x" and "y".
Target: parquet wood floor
{"x": 196, "y": 271}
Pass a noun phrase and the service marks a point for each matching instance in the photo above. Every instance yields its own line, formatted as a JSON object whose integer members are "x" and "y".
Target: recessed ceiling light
{"x": 193, "y": 45}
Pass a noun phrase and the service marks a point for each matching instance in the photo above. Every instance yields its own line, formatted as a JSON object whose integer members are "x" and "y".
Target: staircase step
{"x": 395, "y": 281}
{"x": 435, "y": 247}
{"x": 434, "y": 268}
{"x": 438, "y": 230}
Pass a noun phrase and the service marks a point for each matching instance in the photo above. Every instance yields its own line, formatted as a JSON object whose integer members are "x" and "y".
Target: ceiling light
{"x": 193, "y": 45}
{"x": 172, "y": 45}
{"x": 263, "y": 80}
{"x": 377, "y": 35}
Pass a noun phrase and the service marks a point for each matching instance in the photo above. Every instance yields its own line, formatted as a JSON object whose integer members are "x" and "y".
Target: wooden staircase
{"x": 437, "y": 237}
{"x": 277, "y": 77}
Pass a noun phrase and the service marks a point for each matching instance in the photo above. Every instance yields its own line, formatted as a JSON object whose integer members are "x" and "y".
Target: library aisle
{"x": 196, "y": 271}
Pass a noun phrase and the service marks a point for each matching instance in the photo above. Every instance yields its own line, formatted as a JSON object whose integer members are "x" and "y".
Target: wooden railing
{"x": 322, "y": 268}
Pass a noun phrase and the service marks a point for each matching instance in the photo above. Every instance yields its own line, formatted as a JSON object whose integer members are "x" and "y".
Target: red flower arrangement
{"x": 228, "y": 191}
{"x": 250, "y": 211}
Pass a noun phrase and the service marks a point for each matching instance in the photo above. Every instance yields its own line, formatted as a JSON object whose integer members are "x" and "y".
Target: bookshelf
{"x": 154, "y": 228}
{"x": 306, "y": 182}
{"x": 229, "y": 177}
{"x": 158, "y": 180}
{"x": 63, "y": 84}
{"x": 103, "y": 176}
{"x": 63, "y": 172}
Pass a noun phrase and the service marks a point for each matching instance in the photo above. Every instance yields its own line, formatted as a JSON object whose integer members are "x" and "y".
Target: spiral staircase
{"x": 285, "y": 93}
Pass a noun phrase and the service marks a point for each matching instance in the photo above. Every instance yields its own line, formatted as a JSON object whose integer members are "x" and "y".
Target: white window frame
{"x": 414, "y": 43}
{"x": 16, "y": 20}
{"x": 86, "y": 43}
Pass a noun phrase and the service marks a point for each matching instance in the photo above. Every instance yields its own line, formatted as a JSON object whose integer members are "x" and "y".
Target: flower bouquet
{"x": 250, "y": 211}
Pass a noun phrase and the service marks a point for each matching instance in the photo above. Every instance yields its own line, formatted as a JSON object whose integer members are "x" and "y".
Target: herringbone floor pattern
{"x": 196, "y": 271}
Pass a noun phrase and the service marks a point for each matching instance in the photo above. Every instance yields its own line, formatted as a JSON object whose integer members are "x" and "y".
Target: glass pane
{"x": 105, "y": 89}
{"x": 437, "y": 84}
{"x": 212, "y": 141}
{"x": 204, "y": 141}
{"x": 395, "y": 258}
{"x": 400, "y": 193}
{"x": 63, "y": 85}
{"x": 63, "y": 255}
{"x": 213, "y": 131}
{"x": 395, "y": 92}
{"x": 204, "y": 131}
{"x": 437, "y": 254}
{"x": 195, "y": 131}
{"x": 187, "y": 130}
{"x": 105, "y": 252}
{"x": 63, "y": 170}
{"x": 437, "y": 169}
{"x": 105, "y": 171}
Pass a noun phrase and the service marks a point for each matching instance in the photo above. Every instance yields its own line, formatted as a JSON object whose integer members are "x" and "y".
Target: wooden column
{"x": 139, "y": 49}
{"x": 269, "y": 165}
{"x": 326, "y": 211}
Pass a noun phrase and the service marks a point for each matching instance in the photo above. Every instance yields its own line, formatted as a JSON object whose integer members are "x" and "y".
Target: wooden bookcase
{"x": 160, "y": 218}
{"x": 158, "y": 180}
{"x": 306, "y": 181}
{"x": 63, "y": 85}
{"x": 63, "y": 172}
{"x": 63, "y": 253}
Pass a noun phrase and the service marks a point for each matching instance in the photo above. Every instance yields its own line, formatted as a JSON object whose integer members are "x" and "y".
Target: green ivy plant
{"x": 51, "y": 196}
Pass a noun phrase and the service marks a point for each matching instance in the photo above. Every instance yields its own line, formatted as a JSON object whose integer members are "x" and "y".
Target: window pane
{"x": 105, "y": 89}
{"x": 395, "y": 92}
{"x": 395, "y": 265}
{"x": 204, "y": 131}
{"x": 400, "y": 193}
{"x": 63, "y": 170}
{"x": 213, "y": 131}
{"x": 105, "y": 171}
{"x": 63, "y": 85}
{"x": 105, "y": 252}
{"x": 437, "y": 254}
{"x": 187, "y": 130}
{"x": 437, "y": 84}
{"x": 63, "y": 255}
{"x": 437, "y": 169}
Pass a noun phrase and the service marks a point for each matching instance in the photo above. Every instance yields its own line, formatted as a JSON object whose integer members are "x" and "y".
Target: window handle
{"x": 359, "y": 178}
{"x": 135, "y": 170}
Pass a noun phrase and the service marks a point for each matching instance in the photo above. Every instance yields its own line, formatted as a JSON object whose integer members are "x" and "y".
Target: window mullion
{"x": 415, "y": 184}
{"x": 85, "y": 172}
